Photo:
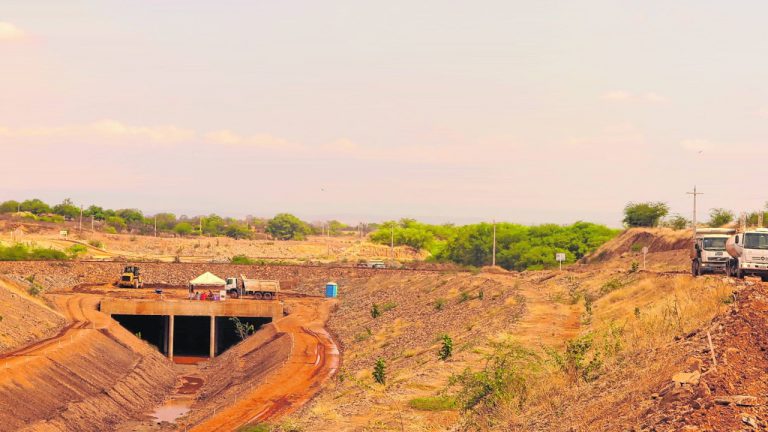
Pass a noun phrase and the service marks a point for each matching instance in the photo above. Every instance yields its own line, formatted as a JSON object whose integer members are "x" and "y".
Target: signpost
{"x": 560, "y": 257}
{"x": 645, "y": 252}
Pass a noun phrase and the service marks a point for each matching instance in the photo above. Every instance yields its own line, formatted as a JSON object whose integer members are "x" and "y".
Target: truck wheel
{"x": 135, "y": 284}
{"x": 739, "y": 273}
{"x": 234, "y": 294}
{"x": 257, "y": 296}
{"x": 694, "y": 268}
{"x": 267, "y": 296}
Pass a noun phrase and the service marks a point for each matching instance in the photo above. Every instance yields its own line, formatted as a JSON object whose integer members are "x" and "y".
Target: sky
{"x": 445, "y": 111}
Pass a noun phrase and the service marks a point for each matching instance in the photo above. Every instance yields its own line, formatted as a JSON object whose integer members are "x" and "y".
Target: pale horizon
{"x": 519, "y": 112}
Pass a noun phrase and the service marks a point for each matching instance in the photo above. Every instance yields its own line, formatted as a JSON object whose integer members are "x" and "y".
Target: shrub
{"x": 96, "y": 243}
{"x": 110, "y": 230}
{"x": 719, "y": 217}
{"x": 503, "y": 380}
{"x": 380, "y": 371}
{"x": 75, "y": 250}
{"x": 446, "y": 349}
{"x": 634, "y": 267}
{"x": 375, "y": 312}
{"x": 439, "y": 304}
{"x": 436, "y": 403}
{"x": 464, "y": 296}
{"x": 242, "y": 329}
{"x": 388, "y": 306}
{"x": 242, "y": 259}
{"x": 581, "y": 359}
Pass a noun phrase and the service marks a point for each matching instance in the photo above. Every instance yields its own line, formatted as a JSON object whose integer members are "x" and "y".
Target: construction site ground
{"x": 312, "y": 369}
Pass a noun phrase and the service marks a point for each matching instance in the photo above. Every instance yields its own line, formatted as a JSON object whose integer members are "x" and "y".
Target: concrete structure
{"x": 170, "y": 309}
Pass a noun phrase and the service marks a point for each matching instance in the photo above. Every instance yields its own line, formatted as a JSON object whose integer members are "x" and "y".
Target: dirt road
{"x": 314, "y": 358}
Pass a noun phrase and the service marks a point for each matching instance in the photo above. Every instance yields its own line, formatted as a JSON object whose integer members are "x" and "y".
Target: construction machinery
{"x": 131, "y": 278}
{"x": 708, "y": 254}
{"x": 749, "y": 254}
{"x": 257, "y": 288}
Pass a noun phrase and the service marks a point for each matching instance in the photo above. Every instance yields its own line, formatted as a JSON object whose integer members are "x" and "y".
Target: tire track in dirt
{"x": 314, "y": 358}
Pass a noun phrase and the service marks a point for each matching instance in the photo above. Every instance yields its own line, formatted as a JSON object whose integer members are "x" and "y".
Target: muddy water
{"x": 181, "y": 400}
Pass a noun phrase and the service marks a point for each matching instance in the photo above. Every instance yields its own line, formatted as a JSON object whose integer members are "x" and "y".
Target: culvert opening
{"x": 192, "y": 336}
{"x": 226, "y": 330}
{"x": 151, "y": 328}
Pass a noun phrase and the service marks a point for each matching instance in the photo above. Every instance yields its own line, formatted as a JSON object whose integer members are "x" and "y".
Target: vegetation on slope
{"x": 518, "y": 247}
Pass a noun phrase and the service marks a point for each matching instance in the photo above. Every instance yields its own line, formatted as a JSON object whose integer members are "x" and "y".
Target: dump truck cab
{"x": 708, "y": 254}
{"x": 749, "y": 254}
{"x": 130, "y": 278}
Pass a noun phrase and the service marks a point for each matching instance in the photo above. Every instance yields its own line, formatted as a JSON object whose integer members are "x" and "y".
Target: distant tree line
{"x": 654, "y": 214}
{"x": 518, "y": 247}
{"x": 283, "y": 226}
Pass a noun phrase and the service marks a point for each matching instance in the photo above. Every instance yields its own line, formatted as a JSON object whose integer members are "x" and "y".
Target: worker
{"x": 210, "y": 295}
{"x": 203, "y": 296}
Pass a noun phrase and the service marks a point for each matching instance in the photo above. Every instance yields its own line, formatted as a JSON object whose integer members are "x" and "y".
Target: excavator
{"x": 131, "y": 278}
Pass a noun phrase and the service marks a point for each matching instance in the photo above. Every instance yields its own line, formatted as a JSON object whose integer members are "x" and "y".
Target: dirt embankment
{"x": 233, "y": 374}
{"x": 91, "y": 377}
{"x": 23, "y": 318}
{"x": 60, "y": 275}
{"x": 632, "y": 241}
{"x": 723, "y": 386}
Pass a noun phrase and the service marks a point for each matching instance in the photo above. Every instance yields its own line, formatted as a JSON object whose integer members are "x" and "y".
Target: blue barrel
{"x": 331, "y": 289}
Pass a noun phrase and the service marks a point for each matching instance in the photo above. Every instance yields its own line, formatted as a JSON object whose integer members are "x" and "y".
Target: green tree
{"x": 237, "y": 230}
{"x": 9, "y": 206}
{"x": 130, "y": 216}
{"x": 678, "y": 222}
{"x": 116, "y": 222}
{"x": 285, "y": 226}
{"x": 719, "y": 217}
{"x": 96, "y": 212}
{"x": 335, "y": 227}
{"x": 165, "y": 221}
{"x": 380, "y": 371}
{"x": 183, "y": 228}
{"x": 646, "y": 214}
{"x": 67, "y": 209}
{"x": 35, "y": 206}
{"x": 446, "y": 349}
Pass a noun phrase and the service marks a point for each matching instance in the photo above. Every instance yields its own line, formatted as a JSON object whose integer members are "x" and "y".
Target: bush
{"x": 645, "y": 214}
{"x": 110, "y": 230}
{"x": 19, "y": 252}
{"x": 439, "y": 304}
{"x": 183, "y": 228}
{"x": 75, "y": 250}
{"x": 242, "y": 259}
{"x": 719, "y": 217}
{"x": 581, "y": 359}
{"x": 375, "y": 312}
{"x": 503, "y": 380}
{"x": 436, "y": 403}
{"x": 446, "y": 350}
{"x": 96, "y": 243}
{"x": 380, "y": 371}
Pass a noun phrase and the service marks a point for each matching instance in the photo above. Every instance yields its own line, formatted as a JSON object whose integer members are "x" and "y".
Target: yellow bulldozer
{"x": 131, "y": 278}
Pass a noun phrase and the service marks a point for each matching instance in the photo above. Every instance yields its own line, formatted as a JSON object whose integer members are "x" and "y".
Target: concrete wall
{"x": 227, "y": 308}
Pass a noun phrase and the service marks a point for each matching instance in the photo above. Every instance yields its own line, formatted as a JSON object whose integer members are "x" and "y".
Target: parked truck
{"x": 748, "y": 252}
{"x": 257, "y": 288}
{"x": 708, "y": 254}
{"x": 130, "y": 278}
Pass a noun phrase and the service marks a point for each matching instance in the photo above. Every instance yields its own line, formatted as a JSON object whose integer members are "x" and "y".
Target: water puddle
{"x": 171, "y": 410}
{"x": 181, "y": 401}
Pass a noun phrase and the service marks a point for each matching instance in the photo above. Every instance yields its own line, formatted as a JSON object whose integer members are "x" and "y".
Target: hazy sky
{"x": 545, "y": 111}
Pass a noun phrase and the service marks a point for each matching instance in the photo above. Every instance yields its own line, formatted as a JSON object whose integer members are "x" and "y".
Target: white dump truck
{"x": 708, "y": 254}
{"x": 748, "y": 254}
{"x": 257, "y": 288}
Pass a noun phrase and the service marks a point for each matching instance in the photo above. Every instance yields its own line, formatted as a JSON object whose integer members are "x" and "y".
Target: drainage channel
{"x": 180, "y": 402}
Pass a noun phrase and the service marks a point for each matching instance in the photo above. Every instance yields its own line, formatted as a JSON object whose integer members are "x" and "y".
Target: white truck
{"x": 708, "y": 254}
{"x": 748, "y": 254}
{"x": 258, "y": 288}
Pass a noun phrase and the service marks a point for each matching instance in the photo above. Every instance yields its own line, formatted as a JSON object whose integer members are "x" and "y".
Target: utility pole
{"x": 155, "y": 225}
{"x": 392, "y": 242}
{"x": 695, "y": 194}
{"x": 494, "y": 243}
{"x": 92, "y": 223}
{"x": 80, "y": 228}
